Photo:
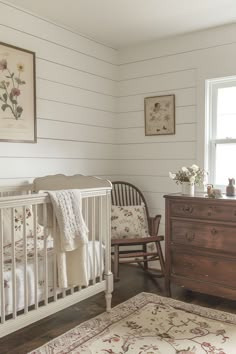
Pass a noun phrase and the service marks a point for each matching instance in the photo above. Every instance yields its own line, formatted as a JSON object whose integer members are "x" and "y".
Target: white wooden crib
{"x": 28, "y": 267}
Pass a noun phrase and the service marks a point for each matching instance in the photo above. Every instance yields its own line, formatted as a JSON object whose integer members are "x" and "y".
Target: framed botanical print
{"x": 159, "y": 115}
{"x": 17, "y": 94}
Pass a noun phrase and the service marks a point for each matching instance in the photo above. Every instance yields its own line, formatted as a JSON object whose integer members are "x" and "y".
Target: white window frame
{"x": 212, "y": 87}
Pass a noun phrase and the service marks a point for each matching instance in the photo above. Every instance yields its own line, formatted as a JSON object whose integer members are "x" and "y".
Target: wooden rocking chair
{"x": 126, "y": 194}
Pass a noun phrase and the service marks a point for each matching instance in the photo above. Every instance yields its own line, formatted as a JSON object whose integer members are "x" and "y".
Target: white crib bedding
{"x": 93, "y": 270}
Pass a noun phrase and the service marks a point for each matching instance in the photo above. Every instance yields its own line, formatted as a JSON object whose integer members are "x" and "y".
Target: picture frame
{"x": 17, "y": 95}
{"x": 159, "y": 115}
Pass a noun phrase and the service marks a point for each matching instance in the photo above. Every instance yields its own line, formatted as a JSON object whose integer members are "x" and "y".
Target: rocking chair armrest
{"x": 136, "y": 241}
{"x": 154, "y": 223}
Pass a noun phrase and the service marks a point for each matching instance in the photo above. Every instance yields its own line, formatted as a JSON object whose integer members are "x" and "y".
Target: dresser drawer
{"x": 214, "y": 236}
{"x": 201, "y": 244}
{"x": 206, "y": 210}
{"x": 204, "y": 268}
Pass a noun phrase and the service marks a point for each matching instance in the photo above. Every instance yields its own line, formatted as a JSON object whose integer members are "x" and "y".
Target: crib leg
{"x": 109, "y": 290}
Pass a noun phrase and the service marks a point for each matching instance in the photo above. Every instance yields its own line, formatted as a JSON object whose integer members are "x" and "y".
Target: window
{"x": 221, "y": 130}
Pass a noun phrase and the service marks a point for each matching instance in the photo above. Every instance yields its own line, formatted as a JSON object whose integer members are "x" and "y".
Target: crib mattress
{"x": 93, "y": 270}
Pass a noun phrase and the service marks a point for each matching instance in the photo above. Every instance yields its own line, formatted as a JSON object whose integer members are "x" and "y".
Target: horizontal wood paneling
{"x": 33, "y": 25}
{"x": 177, "y": 66}
{"x": 191, "y": 42}
{"x": 76, "y": 88}
{"x": 77, "y": 132}
{"x": 58, "y": 149}
{"x": 144, "y": 167}
{"x": 146, "y": 160}
{"x": 73, "y": 77}
{"x": 167, "y": 81}
{"x": 184, "y": 114}
{"x": 72, "y": 95}
{"x": 156, "y": 199}
{"x": 184, "y": 132}
{"x": 56, "y": 53}
{"x": 34, "y": 167}
{"x": 177, "y": 63}
{"x": 183, "y": 97}
{"x": 73, "y": 113}
{"x": 158, "y": 66}
{"x": 180, "y": 150}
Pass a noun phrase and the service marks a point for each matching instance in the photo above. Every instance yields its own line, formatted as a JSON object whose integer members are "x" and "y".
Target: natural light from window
{"x": 222, "y": 131}
{"x": 226, "y": 129}
{"x": 226, "y": 113}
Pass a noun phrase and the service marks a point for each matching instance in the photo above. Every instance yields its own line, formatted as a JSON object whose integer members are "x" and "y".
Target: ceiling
{"x": 121, "y": 23}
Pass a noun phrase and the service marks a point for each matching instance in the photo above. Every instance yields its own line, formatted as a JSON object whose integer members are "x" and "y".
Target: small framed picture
{"x": 17, "y": 94}
{"x": 159, "y": 115}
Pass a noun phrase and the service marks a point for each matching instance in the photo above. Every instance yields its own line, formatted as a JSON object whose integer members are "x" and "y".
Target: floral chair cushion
{"x": 128, "y": 221}
{"x": 18, "y": 224}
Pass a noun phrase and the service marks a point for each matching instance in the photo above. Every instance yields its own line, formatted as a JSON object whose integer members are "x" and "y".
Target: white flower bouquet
{"x": 193, "y": 174}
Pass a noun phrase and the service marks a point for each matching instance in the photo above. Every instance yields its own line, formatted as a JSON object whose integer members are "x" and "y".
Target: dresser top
{"x": 199, "y": 195}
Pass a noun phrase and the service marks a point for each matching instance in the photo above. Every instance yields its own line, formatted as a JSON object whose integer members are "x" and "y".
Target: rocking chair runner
{"x": 126, "y": 194}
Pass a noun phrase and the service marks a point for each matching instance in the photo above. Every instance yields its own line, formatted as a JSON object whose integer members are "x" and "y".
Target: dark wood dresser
{"x": 201, "y": 244}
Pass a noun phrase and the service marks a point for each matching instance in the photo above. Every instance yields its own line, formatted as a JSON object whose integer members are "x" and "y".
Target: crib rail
{"x": 35, "y": 274}
{"x": 16, "y": 190}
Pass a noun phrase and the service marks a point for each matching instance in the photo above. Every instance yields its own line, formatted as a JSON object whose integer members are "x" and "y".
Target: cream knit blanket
{"x": 71, "y": 238}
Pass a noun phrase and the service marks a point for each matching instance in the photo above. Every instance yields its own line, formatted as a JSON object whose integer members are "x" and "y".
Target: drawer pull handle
{"x": 213, "y": 231}
{"x": 190, "y": 236}
{"x": 188, "y": 209}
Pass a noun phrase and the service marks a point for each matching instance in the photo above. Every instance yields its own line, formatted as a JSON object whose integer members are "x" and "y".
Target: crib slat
{"x": 14, "y": 309}
{"x": 54, "y": 256}
{"x": 108, "y": 243}
{"x": 86, "y": 218}
{"x": 25, "y": 262}
{"x": 45, "y": 255}
{"x": 93, "y": 240}
{"x": 35, "y": 257}
{"x": 100, "y": 237}
{"x": 2, "y": 269}
{"x": 86, "y": 210}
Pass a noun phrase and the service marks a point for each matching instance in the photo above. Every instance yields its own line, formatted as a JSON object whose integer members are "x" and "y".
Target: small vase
{"x": 230, "y": 189}
{"x": 187, "y": 188}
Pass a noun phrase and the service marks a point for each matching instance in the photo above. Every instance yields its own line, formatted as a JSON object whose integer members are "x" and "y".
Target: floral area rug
{"x": 150, "y": 324}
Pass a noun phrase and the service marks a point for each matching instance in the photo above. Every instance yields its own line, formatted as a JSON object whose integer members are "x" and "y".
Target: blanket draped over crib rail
{"x": 71, "y": 238}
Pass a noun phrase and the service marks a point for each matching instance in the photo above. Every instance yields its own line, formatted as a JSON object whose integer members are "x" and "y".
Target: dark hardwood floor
{"x": 133, "y": 281}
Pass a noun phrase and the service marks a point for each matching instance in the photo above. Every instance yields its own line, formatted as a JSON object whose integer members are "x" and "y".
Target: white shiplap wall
{"x": 76, "y": 100}
{"x": 177, "y": 66}
{"x": 90, "y": 101}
